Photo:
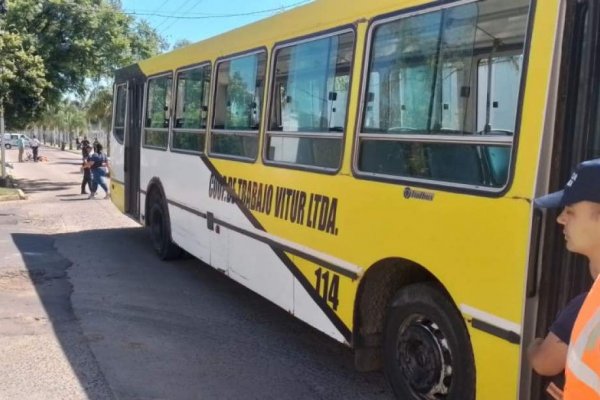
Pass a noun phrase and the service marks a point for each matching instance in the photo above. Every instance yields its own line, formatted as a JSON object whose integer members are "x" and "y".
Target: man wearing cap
{"x": 581, "y": 221}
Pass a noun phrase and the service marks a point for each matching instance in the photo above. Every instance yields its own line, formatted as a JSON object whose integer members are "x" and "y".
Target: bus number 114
{"x": 328, "y": 289}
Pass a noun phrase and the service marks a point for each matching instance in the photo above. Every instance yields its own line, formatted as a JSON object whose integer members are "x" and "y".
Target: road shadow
{"x": 43, "y": 185}
{"x": 79, "y": 199}
{"x": 73, "y": 162}
{"x": 69, "y": 195}
{"x": 47, "y": 270}
{"x": 178, "y": 329}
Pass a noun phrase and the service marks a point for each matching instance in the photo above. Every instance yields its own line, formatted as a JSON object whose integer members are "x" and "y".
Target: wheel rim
{"x": 156, "y": 227}
{"x": 424, "y": 358}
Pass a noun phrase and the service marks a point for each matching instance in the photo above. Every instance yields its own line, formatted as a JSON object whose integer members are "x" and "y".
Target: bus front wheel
{"x": 160, "y": 233}
{"x": 427, "y": 351}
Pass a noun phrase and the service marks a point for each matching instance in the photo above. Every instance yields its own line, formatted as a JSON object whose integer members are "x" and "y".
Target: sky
{"x": 196, "y": 20}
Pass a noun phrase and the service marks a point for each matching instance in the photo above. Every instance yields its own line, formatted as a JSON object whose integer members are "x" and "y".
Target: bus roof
{"x": 317, "y": 16}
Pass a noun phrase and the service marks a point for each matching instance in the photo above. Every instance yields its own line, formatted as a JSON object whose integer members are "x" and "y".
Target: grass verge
{"x": 8, "y": 191}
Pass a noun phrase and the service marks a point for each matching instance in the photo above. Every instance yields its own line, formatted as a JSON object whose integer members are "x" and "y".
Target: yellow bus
{"x": 369, "y": 166}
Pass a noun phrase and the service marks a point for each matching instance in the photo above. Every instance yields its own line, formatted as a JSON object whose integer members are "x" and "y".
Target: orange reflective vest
{"x": 583, "y": 359}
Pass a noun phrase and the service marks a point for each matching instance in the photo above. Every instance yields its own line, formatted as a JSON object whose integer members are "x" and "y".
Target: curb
{"x": 18, "y": 195}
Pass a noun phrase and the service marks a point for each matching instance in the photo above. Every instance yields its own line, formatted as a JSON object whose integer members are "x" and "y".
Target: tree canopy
{"x": 52, "y": 47}
{"x": 181, "y": 43}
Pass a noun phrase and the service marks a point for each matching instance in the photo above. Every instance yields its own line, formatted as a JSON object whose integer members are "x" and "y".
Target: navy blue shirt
{"x": 563, "y": 324}
{"x": 98, "y": 159}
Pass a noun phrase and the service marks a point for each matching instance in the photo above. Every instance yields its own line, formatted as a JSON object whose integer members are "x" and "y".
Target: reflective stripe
{"x": 491, "y": 319}
{"x": 587, "y": 340}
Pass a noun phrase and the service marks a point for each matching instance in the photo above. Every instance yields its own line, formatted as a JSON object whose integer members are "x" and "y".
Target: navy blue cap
{"x": 584, "y": 185}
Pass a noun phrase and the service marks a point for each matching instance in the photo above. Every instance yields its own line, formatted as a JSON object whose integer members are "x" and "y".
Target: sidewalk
{"x": 44, "y": 352}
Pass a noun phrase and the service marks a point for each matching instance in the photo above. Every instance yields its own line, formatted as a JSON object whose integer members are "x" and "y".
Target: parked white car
{"x": 11, "y": 140}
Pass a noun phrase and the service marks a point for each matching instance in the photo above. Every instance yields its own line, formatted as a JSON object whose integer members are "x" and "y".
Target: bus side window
{"x": 237, "y": 105}
{"x": 309, "y": 102}
{"x": 191, "y": 104}
{"x": 441, "y": 81}
{"x": 120, "y": 113}
{"x": 158, "y": 102}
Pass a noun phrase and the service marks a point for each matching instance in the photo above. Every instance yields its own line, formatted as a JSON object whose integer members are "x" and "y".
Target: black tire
{"x": 427, "y": 350}
{"x": 8, "y": 146}
{"x": 160, "y": 232}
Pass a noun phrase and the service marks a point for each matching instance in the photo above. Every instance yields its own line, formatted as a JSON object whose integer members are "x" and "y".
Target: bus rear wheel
{"x": 160, "y": 232}
{"x": 427, "y": 351}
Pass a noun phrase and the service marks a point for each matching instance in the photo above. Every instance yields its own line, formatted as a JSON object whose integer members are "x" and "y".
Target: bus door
{"x": 556, "y": 276}
{"x": 132, "y": 147}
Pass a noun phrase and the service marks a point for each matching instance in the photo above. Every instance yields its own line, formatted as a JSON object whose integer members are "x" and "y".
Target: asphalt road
{"x": 88, "y": 311}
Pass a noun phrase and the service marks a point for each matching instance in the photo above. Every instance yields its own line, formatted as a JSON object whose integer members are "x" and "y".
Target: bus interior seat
{"x": 498, "y": 159}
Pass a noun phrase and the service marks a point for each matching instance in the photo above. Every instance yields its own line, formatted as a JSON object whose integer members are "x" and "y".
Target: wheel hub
{"x": 424, "y": 358}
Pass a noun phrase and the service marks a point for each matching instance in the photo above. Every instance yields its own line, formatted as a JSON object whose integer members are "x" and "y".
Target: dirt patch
{"x": 15, "y": 280}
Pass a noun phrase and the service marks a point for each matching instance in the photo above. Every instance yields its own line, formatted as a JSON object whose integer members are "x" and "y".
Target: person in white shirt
{"x": 34, "y": 143}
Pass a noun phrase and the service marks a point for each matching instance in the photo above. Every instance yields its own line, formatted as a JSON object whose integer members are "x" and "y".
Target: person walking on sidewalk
{"x": 98, "y": 163}
{"x": 34, "y": 143}
{"x": 85, "y": 143}
{"x": 87, "y": 174}
{"x": 21, "y": 146}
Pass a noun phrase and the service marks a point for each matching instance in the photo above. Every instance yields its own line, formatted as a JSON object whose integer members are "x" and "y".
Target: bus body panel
{"x": 476, "y": 246}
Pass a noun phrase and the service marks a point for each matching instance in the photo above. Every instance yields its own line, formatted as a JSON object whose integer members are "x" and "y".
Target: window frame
{"x": 208, "y": 110}
{"x": 336, "y": 31}
{"x": 114, "y": 114}
{"x": 511, "y": 142}
{"x": 233, "y": 132}
{"x": 145, "y": 109}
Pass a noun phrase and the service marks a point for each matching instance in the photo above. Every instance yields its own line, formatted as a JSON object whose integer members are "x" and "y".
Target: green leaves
{"x": 22, "y": 77}
{"x": 99, "y": 106}
{"x": 50, "y": 48}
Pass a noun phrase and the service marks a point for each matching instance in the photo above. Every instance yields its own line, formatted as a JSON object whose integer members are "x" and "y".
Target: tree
{"x": 181, "y": 43}
{"x": 99, "y": 106}
{"x": 145, "y": 42}
{"x": 74, "y": 118}
{"x": 22, "y": 77}
{"x": 69, "y": 41}
{"x": 99, "y": 110}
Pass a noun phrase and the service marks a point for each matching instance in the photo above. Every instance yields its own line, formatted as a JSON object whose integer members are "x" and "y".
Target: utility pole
{"x": 3, "y": 10}
{"x": 2, "y": 154}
